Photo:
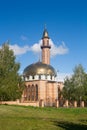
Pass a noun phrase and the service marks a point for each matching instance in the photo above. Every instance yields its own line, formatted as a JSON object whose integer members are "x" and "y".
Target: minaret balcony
{"x": 45, "y": 46}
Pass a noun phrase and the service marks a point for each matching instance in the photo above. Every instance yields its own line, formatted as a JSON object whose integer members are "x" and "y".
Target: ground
{"x": 34, "y": 118}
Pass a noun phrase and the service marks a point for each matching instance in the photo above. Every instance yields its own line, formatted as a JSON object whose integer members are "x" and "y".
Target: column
{"x": 56, "y": 103}
{"x": 66, "y": 103}
{"x": 75, "y": 103}
{"x": 82, "y": 104}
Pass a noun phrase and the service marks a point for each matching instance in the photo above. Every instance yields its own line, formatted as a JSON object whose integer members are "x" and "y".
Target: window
{"x": 31, "y": 92}
{"x": 36, "y": 92}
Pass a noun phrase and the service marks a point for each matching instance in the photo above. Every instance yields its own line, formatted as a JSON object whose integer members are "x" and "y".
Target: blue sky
{"x": 22, "y": 23}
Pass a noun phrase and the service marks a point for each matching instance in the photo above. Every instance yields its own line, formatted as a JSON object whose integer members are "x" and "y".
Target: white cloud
{"x": 36, "y": 47}
{"x": 19, "y": 50}
{"x": 58, "y": 50}
{"x": 55, "y": 50}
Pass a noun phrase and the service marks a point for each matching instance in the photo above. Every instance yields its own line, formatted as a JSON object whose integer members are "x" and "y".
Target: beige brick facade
{"x": 47, "y": 91}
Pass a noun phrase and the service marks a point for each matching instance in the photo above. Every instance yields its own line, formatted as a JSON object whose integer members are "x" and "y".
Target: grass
{"x": 33, "y": 118}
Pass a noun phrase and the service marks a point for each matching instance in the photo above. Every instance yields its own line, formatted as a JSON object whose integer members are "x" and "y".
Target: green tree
{"x": 75, "y": 88}
{"x": 85, "y": 89}
{"x": 11, "y": 85}
{"x": 68, "y": 89}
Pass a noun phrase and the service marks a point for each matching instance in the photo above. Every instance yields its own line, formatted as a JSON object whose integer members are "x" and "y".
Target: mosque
{"x": 41, "y": 85}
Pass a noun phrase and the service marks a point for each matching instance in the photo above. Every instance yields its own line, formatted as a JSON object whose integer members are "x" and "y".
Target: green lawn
{"x": 33, "y": 118}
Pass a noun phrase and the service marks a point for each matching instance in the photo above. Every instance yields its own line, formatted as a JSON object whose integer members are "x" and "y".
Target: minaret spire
{"x": 45, "y": 47}
{"x": 44, "y": 26}
{"x": 45, "y": 33}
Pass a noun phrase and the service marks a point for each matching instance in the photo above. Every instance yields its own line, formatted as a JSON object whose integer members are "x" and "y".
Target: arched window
{"x": 32, "y": 92}
{"x": 32, "y": 88}
{"x": 36, "y": 92}
{"x": 47, "y": 42}
{"x": 43, "y": 42}
{"x": 29, "y": 90}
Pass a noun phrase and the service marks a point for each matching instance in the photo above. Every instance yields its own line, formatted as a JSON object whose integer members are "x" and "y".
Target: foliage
{"x": 9, "y": 77}
{"x": 75, "y": 88}
{"x": 85, "y": 89}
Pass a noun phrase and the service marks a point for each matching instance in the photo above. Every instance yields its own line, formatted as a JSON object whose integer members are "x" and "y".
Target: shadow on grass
{"x": 70, "y": 125}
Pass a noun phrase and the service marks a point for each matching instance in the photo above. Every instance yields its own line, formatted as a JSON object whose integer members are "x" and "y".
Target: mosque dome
{"x": 39, "y": 68}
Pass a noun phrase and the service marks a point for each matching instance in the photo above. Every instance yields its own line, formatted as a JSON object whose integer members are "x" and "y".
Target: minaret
{"x": 45, "y": 48}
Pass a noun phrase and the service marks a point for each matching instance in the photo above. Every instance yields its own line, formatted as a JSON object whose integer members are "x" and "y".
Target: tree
{"x": 85, "y": 89}
{"x": 75, "y": 88}
{"x": 68, "y": 89}
{"x": 9, "y": 77}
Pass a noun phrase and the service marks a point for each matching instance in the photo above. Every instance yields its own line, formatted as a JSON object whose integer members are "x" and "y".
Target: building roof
{"x": 45, "y": 34}
{"x": 39, "y": 68}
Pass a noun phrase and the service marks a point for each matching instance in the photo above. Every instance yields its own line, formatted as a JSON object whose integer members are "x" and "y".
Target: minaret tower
{"x": 45, "y": 48}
